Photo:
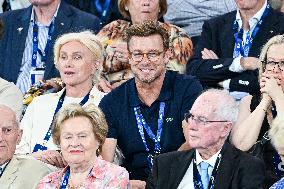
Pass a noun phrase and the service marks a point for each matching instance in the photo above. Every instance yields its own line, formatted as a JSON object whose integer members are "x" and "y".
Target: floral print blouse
{"x": 104, "y": 175}
{"x": 118, "y": 72}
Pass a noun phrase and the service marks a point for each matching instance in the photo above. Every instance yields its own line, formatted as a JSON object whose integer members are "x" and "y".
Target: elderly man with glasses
{"x": 145, "y": 113}
{"x": 213, "y": 162}
{"x": 16, "y": 172}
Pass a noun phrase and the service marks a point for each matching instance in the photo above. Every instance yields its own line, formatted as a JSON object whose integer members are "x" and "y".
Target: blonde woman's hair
{"x": 276, "y": 40}
{"x": 89, "y": 40}
{"x": 91, "y": 112}
{"x": 276, "y": 132}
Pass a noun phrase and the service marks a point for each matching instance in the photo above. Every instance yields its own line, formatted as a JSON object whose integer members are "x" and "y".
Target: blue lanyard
{"x": 35, "y": 44}
{"x": 58, "y": 107}
{"x": 64, "y": 182}
{"x": 141, "y": 123}
{"x": 197, "y": 178}
{"x": 243, "y": 48}
{"x": 102, "y": 10}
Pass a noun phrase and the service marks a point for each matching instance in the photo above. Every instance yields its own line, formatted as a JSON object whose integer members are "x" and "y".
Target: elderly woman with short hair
{"x": 80, "y": 133}
{"x": 78, "y": 57}
{"x": 258, "y": 112}
{"x": 116, "y": 65}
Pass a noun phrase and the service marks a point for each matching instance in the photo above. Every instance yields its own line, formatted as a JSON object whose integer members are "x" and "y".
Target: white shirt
{"x": 187, "y": 180}
{"x": 39, "y": 115}
{"x": 236, "y": 65}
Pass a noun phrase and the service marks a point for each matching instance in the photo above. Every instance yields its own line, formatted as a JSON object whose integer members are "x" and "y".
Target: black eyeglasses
{"x": 152, "y": 56}
{"x": 200, "y": 119}
{"x": 280, "y": 64}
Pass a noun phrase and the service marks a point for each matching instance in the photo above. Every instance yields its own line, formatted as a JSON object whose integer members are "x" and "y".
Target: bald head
{"x": 220, "y": 103}
{"x": 10, "y": 134}
{"x": 8, "y": 115}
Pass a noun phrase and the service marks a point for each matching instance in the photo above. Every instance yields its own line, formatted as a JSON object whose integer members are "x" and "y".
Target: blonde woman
{"x": 78, "y": 58}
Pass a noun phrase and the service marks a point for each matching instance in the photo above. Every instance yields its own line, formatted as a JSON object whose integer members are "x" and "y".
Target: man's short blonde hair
{"x": 91, "y": 112}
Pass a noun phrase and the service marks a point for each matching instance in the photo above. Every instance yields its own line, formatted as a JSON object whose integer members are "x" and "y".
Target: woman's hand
{"x": 137, "y": 184}
{"x": 104, "y": 86}
{"x": 120, "y": 52}
{"x": 270, "y": 85}
{"x": 52, "y": 157}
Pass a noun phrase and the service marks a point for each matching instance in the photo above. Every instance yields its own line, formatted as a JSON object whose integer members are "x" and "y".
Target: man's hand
{"x": 137, "y": 184}
{"x": 250, "y": 63}
{"x": 52, "y": 157}
{"x": 208, "y": 54}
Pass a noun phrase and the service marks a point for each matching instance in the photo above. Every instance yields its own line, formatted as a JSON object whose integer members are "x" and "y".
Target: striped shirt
{"x": 190, "y": 14}
{"x": 24, "y": 78}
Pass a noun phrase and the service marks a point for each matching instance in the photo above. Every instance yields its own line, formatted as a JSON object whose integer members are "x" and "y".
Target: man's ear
{"x": 19, "y": 137}
{"x": 227, "y": 129}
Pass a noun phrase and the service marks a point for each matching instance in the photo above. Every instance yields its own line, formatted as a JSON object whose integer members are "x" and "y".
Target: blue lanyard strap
{"x": 58, "y": 107}
{"x": 35, "y": 44}
{"x": 102, "y": 10}
{"x": 197, "y": 178}
{"x": 64, "y": 182}
{"x": 141, "y": 123}
{"x": 243, "y": 48}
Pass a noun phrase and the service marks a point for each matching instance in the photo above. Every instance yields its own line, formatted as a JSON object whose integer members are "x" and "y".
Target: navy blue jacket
{"x": 12, "y": 43}
{"x": 218, "y": 35}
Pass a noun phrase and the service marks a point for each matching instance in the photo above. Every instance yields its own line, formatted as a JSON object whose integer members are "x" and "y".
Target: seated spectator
{"x": 29, "y": 35}
{"x": 11, "y": 96}
{"x": 227, "y": 53}
{"x": 116, "y": 66}
{"x": 80, "y": 133}
{"x": 276, "y": 134}
{"x": 16, "y": 172}
{"x": 106, "y": 10}
{"x": 6, "y": 5}
{"x": 277, "y": 5}
{"x": 191, "y": 14}
{"x": 213, "y": 162}
{"x": 258, "y": 111}
{"x": 145, "y": 113}
{"x": 78, "y": 57}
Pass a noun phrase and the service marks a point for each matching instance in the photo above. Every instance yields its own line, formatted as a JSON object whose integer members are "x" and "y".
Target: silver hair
{"x": 88, "y": 39}
{"x": 225, "y": 106}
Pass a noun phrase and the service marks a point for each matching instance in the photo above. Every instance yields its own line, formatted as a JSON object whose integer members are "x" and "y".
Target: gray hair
{"x": 88, "y": 39}
{"x": 226, "y": 107}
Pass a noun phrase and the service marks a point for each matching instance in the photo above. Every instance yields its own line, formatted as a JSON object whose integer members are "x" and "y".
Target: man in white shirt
{"x": 212, "y": 162}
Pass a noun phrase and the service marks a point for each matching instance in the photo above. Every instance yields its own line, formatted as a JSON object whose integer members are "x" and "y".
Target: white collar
{"x": 252, "y": 21}
{"x": 211, "y": 161}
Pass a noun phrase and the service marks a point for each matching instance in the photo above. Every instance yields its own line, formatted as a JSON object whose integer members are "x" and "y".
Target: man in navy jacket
{"x": 17, "y": 45}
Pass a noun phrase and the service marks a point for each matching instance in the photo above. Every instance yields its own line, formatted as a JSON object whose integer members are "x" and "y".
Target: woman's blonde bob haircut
{"x": 276, "y": 40}
{"x": 88, "y": 39}
{"x": 123, "y": 3}
{"x": 91, "y": 112}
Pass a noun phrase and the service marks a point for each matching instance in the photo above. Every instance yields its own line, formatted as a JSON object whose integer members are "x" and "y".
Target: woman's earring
{"x": 126, "y": 8}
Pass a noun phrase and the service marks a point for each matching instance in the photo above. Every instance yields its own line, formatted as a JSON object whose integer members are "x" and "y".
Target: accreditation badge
{"x": 37, "y": 75}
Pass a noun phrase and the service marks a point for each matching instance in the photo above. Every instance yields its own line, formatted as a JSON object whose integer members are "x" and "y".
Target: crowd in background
{"x": 141, "y": 94}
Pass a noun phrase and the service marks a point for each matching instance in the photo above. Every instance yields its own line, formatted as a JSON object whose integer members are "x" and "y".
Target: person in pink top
{"x": 80, "y": 133}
